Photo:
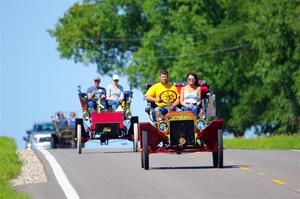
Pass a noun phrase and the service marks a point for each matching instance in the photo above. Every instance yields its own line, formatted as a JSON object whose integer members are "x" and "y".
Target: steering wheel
{"x": 168, "y": 96}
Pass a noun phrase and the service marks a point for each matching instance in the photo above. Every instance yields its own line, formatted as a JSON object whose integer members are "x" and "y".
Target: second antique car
{"x": 104, "y": 125}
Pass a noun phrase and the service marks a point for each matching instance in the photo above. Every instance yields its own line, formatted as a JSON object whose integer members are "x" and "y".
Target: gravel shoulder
{"x": 32, "y": 170}
{"x": 37, "y": 179}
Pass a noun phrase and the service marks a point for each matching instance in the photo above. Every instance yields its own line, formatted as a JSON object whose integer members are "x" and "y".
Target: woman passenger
{"x": 190, "y": 95}
{"x": 72, "y": 119}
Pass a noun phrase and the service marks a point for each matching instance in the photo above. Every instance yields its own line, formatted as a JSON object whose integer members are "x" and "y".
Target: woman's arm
{"x": 199, "y": 94}
{"x": 121, "y": 93}
{"x": 108, "y": 92}
{"x": 182, "y": 96}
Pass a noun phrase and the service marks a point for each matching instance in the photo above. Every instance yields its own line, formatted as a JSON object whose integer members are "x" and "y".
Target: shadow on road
{"x": 119, "y": 152}
{"x": 197, "y": 167}
{"x": 105, "y": 152}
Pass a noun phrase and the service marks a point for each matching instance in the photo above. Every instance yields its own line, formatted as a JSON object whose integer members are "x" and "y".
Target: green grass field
{"x": 10, "y": 167}
{"x": 273, "y": 142}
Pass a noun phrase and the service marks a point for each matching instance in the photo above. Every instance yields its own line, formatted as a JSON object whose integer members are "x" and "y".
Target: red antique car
{"x": 104, "y": 125}
{"x": 183, "y": 132}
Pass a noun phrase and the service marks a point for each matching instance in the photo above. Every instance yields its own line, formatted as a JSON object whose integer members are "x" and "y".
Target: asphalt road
{"x": 117, "y": 173}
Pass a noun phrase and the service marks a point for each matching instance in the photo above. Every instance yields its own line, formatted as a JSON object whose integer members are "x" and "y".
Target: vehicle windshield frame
{"x": 43, "y": 127}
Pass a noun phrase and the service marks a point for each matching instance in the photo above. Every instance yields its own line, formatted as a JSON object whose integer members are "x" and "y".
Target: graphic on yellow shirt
{"x": 157, "y": 89}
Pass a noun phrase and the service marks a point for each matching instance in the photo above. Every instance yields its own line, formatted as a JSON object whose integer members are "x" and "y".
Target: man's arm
{"x": 89, "y": 94}
{"x": 153, "y": 99}
{"x": 149, "y": 96}
{"x": 103, "y": 94}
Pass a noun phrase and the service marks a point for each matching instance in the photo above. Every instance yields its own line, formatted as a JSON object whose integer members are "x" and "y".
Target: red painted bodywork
{"x": 107, "y": 118}
{"x": 210, "y": 133}
{"x": 83, "y": 105}
{"x": 204, "y": 89}
{"x": 209, "y": 137}
{"x": 154, "y": 135}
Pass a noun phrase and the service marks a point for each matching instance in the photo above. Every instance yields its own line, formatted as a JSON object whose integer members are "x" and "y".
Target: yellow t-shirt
{"x": 157, "y": 89}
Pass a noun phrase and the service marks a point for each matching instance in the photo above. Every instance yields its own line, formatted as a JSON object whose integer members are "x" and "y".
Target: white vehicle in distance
{"x": 40, "y": 135}
{"x": 41, "y": 140}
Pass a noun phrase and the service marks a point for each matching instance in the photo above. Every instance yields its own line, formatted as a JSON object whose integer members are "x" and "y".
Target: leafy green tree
{"x": 273, "y": 32}
{"x": 91, "y": 32}
{"x": 247, "y": 50}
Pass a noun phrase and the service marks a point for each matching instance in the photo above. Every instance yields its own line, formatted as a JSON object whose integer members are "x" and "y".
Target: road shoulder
{"x": 49, "y": 189}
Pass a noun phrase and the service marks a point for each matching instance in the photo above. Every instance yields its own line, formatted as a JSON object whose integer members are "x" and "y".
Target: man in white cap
{"x": 95, "y": 93}
{"x": 115, "y": 93}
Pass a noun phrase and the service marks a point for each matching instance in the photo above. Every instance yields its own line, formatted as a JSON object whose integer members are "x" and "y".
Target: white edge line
{"x": 60, "y": 175}
{"x": 295, "y": 150}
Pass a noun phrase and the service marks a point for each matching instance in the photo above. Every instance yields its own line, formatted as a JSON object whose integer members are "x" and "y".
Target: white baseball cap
{"x": 97, "y": 77}
{"x": 115, "y": 77}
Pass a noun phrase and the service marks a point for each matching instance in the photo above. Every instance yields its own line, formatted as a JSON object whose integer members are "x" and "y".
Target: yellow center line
{"x": 244, "y": 168}
{"x": 261, "y": 173}
{"x": 278, "y": 181}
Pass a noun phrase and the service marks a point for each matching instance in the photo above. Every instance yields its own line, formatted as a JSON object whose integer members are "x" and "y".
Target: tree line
{"x": 247, "y": 50}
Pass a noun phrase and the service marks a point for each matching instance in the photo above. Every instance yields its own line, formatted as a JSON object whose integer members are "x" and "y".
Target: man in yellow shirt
{"x": 163, "y": 93}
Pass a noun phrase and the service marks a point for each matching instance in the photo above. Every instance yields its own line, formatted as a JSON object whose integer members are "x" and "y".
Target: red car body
{"x": 184, "y": 137}
{"x": 106, "y": 124}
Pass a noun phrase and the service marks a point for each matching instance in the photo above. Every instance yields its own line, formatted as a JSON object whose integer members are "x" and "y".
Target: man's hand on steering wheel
{"x": 159, "y": 100}
{"x": 168, "y": 96}
{"x": 102, "y": 96}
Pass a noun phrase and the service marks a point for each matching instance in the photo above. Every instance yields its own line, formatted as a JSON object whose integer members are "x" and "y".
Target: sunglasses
{"x": 97, "y": 80}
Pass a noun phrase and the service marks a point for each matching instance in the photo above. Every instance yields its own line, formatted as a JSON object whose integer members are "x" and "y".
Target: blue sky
{"x": 34, "y": 81}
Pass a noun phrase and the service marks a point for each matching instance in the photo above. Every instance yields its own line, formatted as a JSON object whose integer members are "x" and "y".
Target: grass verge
{"x": 10, "y": 167}
{"x": 273, "y": 142}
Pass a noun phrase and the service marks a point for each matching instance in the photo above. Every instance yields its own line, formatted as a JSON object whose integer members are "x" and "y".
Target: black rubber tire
{"x": 215, "y": 159}
{"x": 135, "y": 137}
{"x": 53, "y": 142}
{"x": 79, "y": 146}
{"x": 142, "y": 159}
{"x": 74, "y": 145}
{"x": 218, "y": 156}
{"x": 59, "y": 143}
{"x": 220, "y": 149}
{"x": 145, "y": 150}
